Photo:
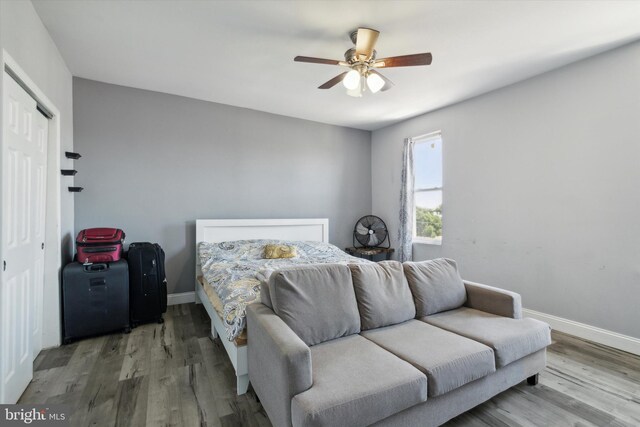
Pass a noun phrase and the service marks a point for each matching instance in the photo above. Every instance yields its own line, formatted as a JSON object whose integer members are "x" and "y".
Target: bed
{"x": 228, "y": 271}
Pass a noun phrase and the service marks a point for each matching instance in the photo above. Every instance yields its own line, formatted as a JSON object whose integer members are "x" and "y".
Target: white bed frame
{"x": 221, "y": 230}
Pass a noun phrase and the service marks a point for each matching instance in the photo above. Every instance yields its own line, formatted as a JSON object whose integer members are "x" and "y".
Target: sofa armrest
{"x": 279, "y": 362}
{"x": 493, "y": 300}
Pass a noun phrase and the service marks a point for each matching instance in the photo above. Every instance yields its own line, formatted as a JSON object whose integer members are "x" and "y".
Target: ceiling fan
{"x": 363, "y": 64}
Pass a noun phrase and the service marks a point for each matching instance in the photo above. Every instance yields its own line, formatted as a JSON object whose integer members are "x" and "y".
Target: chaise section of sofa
{"x": 385, "y": 344}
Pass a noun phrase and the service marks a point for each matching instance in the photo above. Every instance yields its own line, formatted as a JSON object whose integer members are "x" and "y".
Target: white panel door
{"x": 23, "y": 203}
{"x": 39, "y": 203}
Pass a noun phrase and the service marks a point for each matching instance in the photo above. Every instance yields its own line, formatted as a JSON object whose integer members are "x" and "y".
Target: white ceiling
{"x": 241, "y": 52}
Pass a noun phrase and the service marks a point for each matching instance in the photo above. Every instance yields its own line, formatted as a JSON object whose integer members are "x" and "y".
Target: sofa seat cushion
{"x": 449, "y": 360}
{"x": 510, "y": 339}
{"x": 356, "y": 383}
{"x": 316, "y": 301}
{"x": 383, "y": 294}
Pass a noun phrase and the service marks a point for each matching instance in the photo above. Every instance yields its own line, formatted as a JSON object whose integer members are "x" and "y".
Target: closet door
{"x": 23, "y": 204}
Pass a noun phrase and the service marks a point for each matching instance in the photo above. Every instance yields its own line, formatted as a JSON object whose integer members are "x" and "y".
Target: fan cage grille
{"x": 371, "y": 231}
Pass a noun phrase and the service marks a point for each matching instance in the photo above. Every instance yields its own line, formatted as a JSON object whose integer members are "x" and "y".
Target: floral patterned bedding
{"x": 234, "y": 270}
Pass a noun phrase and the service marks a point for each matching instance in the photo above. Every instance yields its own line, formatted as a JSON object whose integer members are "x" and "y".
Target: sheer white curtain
{"x": 405, "y": 232}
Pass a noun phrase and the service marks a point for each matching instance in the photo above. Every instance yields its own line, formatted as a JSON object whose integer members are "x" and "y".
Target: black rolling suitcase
{"x": 95, "y": 299}
{"x": 147, "y": 283}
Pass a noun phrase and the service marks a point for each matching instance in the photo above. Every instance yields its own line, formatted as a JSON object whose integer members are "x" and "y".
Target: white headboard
{"x": 222, "y": 230}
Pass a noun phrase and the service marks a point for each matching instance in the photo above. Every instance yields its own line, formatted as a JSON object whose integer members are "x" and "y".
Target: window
{"x": 427, "y": 166}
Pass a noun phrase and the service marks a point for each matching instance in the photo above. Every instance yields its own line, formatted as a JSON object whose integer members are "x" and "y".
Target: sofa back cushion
{"x": 383, "y": 294}
{"x": 436, "y": 285}
{"x": 316, "y": 301}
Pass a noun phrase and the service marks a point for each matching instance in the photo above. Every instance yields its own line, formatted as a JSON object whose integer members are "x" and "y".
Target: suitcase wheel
{"x": 67, "y": 341}
{"x": 161, "y": 320}
{"x": 127, "y": 330}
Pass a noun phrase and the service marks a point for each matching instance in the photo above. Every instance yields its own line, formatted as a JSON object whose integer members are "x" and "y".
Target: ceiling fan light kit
{"x": 352, "y": 80}
{"x": 374, "y": 82}
{"x": 363, "y": 64}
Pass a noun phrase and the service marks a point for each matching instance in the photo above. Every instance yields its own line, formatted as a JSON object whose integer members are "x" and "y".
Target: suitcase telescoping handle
{"x": 103, "y": 236}
{"x": 96, "y": 268}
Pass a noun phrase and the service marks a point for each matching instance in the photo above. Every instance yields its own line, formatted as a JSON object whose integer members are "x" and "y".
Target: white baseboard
{"x": 181, "y": 298}
{"x": 587, "y": 332}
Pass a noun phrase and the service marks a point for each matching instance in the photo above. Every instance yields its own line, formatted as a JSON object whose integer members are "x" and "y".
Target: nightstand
{"x": 372, "y": 254}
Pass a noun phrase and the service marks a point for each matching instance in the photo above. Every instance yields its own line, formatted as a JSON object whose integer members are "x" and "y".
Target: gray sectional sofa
{"x": 386, "y": 344}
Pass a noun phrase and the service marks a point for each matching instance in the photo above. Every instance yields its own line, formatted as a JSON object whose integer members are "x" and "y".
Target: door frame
{"x": 51, "y": 315}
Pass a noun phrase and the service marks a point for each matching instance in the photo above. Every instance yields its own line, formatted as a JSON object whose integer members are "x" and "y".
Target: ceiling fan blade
{"x": 316, "y": 60}
{"x": 334, "y": 81}
{"x": 365, "y": 41}
{"x": 404, "y": 61}
{"x": 388, "y": 84}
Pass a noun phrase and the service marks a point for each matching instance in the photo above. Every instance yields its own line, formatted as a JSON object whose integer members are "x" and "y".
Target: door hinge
{"x": 42, "y": 246}
{"x": 4, "y": 265}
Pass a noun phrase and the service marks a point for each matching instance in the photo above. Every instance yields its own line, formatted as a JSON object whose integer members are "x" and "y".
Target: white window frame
{"x": 422, "y": 139}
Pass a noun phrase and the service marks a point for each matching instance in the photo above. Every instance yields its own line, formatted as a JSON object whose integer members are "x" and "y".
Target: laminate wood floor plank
{"x": 70, "y": 400}
{"x": 137, "y": 358}
{"x": 115, "y": 344}
{"x": 196, "y": 402}
{"x": 470, "y": 419}
{"x": 43, "y": 385}
{"x": 527, "y": 405}
{"x": 77, "y": 371}
{"x": 490, "y": 414}
{"x": 184, "y": 309}
{"x": 163, "y": 400}
{"x": 613, "y": 363}
{"x": 250, "y": 411}
{"x": 173, "y": 374}
{"x": 54, "y": 357}
{"x": 131, "y": 402}
{"x": 572, "y": 405}
{"x": 217, "y": 369}
{"x": 98, "y": 401}
{"x": 527, "y": 413}
{"x": 201, "y": 322}
{"x": 581, "y": 389}
{"x": 604, "y": 381}
{"x": 186, "y": 333}
{"x": 165, "y": 352}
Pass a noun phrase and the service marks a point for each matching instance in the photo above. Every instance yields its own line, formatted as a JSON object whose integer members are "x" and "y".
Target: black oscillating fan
{"x": 371, "y": 232}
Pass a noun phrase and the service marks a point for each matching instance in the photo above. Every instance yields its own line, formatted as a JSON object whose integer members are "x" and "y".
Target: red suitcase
{"x": 99, "y": 245}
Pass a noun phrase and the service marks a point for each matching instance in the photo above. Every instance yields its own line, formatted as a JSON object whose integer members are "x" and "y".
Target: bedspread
{"x": 234, "y": 270}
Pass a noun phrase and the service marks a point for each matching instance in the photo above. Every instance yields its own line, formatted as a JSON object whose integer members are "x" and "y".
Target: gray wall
{"x": 152, "y": 163}
{"x": 541, "y": 188}
{"x": 27, "y": 41}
